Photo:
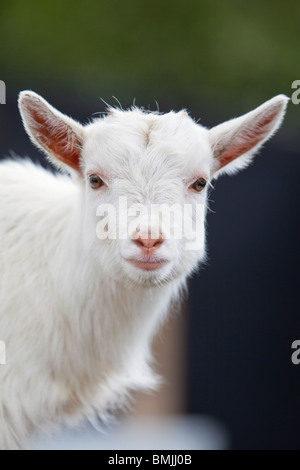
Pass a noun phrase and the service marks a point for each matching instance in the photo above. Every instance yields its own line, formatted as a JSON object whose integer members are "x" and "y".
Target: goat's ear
{"x": 56, "y": 134}
{"x": 235, "y": 142}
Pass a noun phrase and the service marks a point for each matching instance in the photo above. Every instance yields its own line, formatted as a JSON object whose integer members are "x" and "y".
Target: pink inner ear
{"x": 58, "y": 137}
{"x": 247, "y": 138}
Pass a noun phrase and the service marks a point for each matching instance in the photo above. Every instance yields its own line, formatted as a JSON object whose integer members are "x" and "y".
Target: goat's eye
{"x": 95, "y": 181}
{"x": 198, "y": 185}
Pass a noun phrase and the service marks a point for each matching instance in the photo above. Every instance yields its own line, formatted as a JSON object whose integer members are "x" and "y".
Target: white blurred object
{"x": 167, "y": 433}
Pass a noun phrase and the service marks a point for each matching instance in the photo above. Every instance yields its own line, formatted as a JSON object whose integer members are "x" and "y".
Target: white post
{"x": 2, "y": 92}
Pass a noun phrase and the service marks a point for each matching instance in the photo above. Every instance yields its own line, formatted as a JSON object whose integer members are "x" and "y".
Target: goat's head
{"x": 129, "y": 163}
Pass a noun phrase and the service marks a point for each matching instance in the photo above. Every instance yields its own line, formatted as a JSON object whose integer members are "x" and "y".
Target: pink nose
{"x": 148, "y": 244}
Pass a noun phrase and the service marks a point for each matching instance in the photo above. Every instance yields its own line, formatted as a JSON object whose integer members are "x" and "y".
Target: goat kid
{"x": 78, "y": 313}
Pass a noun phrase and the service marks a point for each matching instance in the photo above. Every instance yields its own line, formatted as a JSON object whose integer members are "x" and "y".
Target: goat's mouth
{"x": 151, "y": 264}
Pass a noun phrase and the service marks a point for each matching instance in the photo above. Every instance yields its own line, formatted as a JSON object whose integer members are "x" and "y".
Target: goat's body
{"x": 75, "y": 340}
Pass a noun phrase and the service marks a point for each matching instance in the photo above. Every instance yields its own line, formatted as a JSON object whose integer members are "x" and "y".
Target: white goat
{"x": 77, "y": 314}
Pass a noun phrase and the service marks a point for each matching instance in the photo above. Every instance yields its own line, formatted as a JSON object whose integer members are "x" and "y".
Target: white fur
{"x": 76, "y": 317}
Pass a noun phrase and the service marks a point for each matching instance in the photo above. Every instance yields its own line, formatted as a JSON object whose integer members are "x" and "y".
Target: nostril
{"x": 138, "y": 242}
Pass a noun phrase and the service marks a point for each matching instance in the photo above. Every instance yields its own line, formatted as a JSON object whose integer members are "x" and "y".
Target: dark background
{"x": 218, "y": 60}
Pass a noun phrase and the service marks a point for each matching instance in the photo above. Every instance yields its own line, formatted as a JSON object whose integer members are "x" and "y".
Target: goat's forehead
{"x": 134, "y": 138}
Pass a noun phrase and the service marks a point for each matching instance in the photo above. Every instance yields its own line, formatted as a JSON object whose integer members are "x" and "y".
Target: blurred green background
{"x": 215, "y": 57}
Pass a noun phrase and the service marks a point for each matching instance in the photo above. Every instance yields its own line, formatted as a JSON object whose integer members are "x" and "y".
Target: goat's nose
{"x": 148, "y": 244}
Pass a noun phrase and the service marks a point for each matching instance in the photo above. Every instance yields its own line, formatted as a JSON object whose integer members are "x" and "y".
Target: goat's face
{"x": 151, "y": 173}
{"x": 141, "y": 171}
